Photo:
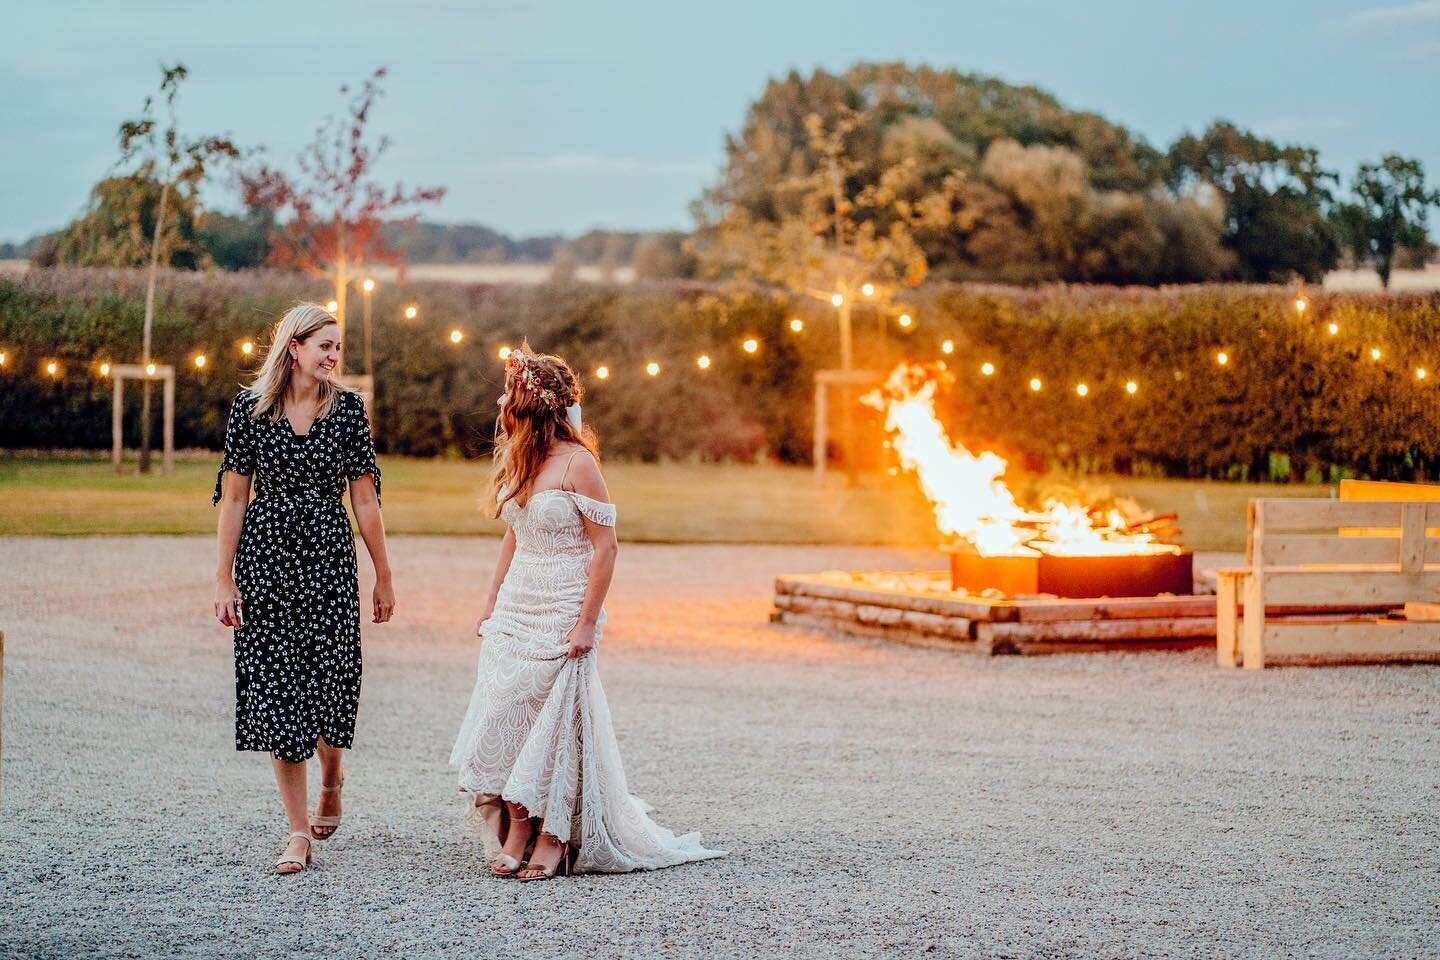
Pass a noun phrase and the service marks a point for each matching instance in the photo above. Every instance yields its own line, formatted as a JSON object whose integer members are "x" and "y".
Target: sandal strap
{"x": 302, "y": 835}
{"x": 318, "y": 821}
{"x": 334, "y": 789}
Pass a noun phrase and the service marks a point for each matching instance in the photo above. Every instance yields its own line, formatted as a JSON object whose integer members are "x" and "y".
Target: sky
{"x": 561, "y": 116}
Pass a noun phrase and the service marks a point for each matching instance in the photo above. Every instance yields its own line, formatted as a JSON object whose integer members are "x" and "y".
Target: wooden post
{"x": 822, "y": 430}
{"x": 1252, "y": 640}
{"x": 117, "y": 422}
{"x": 1227, "y": 602}
{"x": 169, "y": 420}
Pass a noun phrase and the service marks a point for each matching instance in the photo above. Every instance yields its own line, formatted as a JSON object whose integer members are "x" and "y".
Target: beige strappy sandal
{"x": 547, "y": 873}
{"x": 302, "y": 864}
{"x": 332, "y": 822}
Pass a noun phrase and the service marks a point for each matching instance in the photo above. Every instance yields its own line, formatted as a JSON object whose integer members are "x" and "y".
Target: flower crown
{"x": 525, "y": 374}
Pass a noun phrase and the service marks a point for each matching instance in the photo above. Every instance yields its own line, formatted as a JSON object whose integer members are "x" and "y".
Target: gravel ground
{"x": 875, "y": 798}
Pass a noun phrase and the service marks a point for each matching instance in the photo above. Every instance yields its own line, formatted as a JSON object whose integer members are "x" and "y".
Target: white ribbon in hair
{"x": 572, "y": 413}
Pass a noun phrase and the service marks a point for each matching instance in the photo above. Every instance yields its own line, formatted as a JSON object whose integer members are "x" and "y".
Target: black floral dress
{"x": 297, "y": 656}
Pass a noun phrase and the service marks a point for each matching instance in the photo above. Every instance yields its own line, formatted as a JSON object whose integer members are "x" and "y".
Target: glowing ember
{"x": 972, "y": 501}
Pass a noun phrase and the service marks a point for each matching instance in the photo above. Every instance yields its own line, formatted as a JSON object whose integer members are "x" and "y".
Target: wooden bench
{"x": 1306, "y": 552}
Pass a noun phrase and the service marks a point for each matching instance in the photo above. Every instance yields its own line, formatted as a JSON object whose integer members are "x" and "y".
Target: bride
{"x": 537, "y": 752}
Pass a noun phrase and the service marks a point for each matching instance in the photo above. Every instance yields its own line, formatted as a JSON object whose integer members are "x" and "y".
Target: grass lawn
{"x": 657, "y": 502}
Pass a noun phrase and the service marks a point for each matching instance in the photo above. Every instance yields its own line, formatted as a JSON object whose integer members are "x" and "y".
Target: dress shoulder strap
{"x": 567, "y": 467}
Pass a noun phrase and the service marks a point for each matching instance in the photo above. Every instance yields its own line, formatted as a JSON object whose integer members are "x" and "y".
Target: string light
{"x": 149, "y": 369}
{"x": 652, "y": 368}
{"x": 1081, "y": 390}
{"x": 1131, "y": 386}
{"x": 1375, "y": 353}
{"x": 797, "y": 325}
{"x": 332, "y": 306}
{"x": 411, "y": 312}
{"x": 987, "y": 368}
{"x": 947, "y": 347}
{"x": 703, "y": 362}
{"x": 751, "y": 345}
{"x": 1222, "y": 358}
{"x": 368, "y": 285}
{"x": 456, "y": 336}
{"x": 104, "y": 369}
{"x": 868, "y": 289}
{"x": 602, "y": 373}
{"x": 504, "y": 353}
{"x": 200, "y": 361}
{"x": 52, "y": 368}
{"x": 1421, "y": 373}
{"x": 1301, "y": 303}
{"x": 247, "y": 348}
{"x": 1035, "y": 384}
{"x": 1333, "y": 328}
{"x": 837, "y": 300}
{"x": 904, "y": 320}
{"x": 3, "y": 358}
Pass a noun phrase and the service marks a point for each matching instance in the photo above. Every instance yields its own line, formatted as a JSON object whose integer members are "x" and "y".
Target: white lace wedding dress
{"x": 538, "y": 730}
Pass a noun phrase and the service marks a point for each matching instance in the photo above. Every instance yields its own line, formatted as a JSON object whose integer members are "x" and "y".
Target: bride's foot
{"x": 516, "y": 841}
{"x": 550, "y": 857}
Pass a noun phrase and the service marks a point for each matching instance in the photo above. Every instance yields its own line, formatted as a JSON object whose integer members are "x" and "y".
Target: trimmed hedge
{"x": 1293, "y": 400}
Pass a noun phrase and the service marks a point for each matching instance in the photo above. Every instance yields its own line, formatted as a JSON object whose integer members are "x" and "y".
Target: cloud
{"x": 1396, "y": 15}
{"x": 595, "y": 165}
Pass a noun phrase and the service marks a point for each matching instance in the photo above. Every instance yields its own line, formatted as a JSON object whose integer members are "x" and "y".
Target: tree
{"x": 1275, "y": 197}
{"x": 118, "y": 229}
{"x": 337, "y": 214}
{"x": 238, "y": 243}
{"x": 1389, "y": 213}
{"x": 179, "y": 165}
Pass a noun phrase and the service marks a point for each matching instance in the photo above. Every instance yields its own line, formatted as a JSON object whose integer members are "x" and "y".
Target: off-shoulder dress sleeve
{"x": 596, "y": 511}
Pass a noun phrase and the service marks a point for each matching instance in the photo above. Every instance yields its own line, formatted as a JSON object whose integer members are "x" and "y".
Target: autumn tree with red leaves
{"x": 332, "y": 213}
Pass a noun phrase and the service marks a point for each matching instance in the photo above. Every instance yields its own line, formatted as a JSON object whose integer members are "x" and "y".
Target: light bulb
{"x": 751, "y": 345}
{"x": 411, "y": 312}
{"x": 200, "y": 361}
{"x": 104, "y": 369}
{"x": 504, "y": 353}
{"x": 703, "y": 362}
{"x": 332, "y": 306}
{"x": 456, "y": 336}
{"x": 1334, "y": 328}
{"x": 797, "y": 324}
{"x": 1375, "y": 353}
{"x": 1131, "y": 386}
{"x": 868, "y": 289}
{"x": 947, "y": 347}
{"x": 904, "y": 320}
{"x": 837, "y": 299}
{"x": 150, "y": 369}
{"x": 1222, "y": 358}
{"x": 987, "y": 368}
{"x": 1081, "y": 389}
{"x": 247, "y": 348}
{"x": 367, "y": 285}
{"x": 652, "y": 368}
{"x": 1035, "y": 384}
{"x": 602, "y": 373}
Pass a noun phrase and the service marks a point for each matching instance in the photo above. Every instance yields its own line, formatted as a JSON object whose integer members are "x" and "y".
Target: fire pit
{"x": 1125, "y": 575}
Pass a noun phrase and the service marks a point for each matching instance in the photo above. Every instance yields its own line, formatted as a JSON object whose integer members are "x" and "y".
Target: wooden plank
{"x": 955, "y": 628}
{"x": 1314, "y": 514}
{"x": 1388, "y": 490}
{"x": 1068, "y": 631}
{"x": 1252, "y": 627}
{"x": 826, "y": 625}
{"x": 1363, "y": 585}
{"x": 1412, "y": 538}
{"x": 1113, "y": 608}
{"x": 1384, "y": 637}
{"x": 1422, "y": 612}
{"x": 833, "y": 589}
{"x": 1294, "y": 549}
{"x": 1227, "y": 611}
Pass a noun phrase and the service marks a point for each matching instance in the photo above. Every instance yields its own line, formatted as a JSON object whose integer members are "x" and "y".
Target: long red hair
{"x": 538, "y": 388}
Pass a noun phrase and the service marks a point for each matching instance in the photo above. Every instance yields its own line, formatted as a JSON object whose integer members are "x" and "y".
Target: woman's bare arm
{"x": 235, "y": 497}
{"x": 502, "y": 567}
{"x": 366, "y": 504}
{"x": 585, "y": 479}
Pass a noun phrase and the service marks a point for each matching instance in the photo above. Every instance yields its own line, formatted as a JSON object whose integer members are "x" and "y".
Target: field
{"x": 658, "y": 503}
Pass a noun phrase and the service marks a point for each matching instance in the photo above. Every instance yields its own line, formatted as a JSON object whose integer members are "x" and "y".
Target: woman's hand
{"x": 227, "y": 602}
{"x": 384, "y": 601}
{"x": 581, "y": 640}
{"x": 489, "y": 612}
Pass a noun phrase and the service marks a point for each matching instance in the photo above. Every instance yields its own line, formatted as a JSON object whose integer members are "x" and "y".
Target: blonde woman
{"x": 536, "y": 751}
{"x": 286, "y": 580}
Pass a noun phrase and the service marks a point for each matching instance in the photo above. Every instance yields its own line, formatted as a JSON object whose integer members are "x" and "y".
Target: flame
{"x": 970, "y": 497}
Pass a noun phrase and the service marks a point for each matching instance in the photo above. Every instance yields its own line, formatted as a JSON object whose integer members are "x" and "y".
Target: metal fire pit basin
{"x": 1134, "y": 575}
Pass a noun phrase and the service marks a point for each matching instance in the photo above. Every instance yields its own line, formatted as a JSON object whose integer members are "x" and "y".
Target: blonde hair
{"x": 538, "y": 388}
{"x": 299, "y": 324}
